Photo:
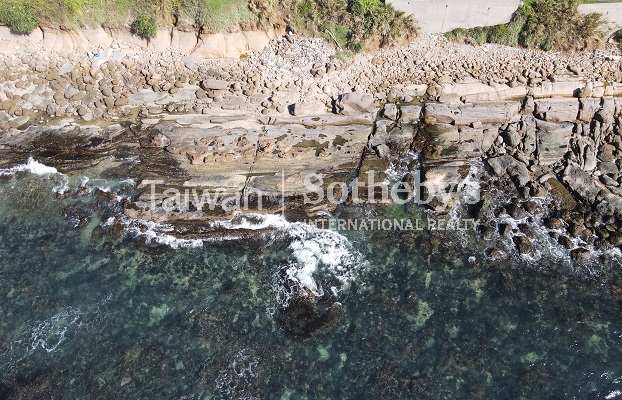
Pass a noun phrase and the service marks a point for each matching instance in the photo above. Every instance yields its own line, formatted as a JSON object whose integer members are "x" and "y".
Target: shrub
{"x": 356, "y": 24}
{"x": 306, "y": 9}
{"x": 19, "y": 17}
{"x": 361, "y": 7}
{"x": 356, "y": 47}
{"x": 145, "y": 26}
{"x": 544, "y": 24}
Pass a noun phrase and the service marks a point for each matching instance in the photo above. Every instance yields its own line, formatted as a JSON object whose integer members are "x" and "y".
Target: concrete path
{"x": 611, "y": 11}
{"x": 445, "y": 15}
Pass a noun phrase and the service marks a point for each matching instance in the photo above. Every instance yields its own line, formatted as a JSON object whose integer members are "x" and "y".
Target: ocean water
{"x": 421, "y": 314}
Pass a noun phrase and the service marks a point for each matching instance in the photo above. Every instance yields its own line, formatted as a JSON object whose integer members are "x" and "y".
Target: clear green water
{"x": 113, "y": 318}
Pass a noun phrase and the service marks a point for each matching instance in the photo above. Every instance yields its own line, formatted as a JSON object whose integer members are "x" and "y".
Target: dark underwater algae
{"x": 420, "y": 321}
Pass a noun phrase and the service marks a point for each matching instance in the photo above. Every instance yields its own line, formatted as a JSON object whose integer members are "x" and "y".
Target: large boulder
{"x": 557, "y": 110}
{"x": 214, "y": 84}
{"x": 553, "y": 141}
{"x": 471, "y": 90}
{"x": 588, "y": 108}
{"x": 410, "y": 114}
{"x": 516, "y": 169}
{"x": 582, "y": 183}
{"x": 485, "y": 113}
{"x": 355, "y": 103}
{"x": 458, "y": 145}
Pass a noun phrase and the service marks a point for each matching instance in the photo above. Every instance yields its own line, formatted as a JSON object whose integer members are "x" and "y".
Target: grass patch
{"x": 19, "y": 16}
{"x": 216, "y": 15}
{"x": 213, "y": 15}
{"x": 543, "y": 24}
{"x": 352, "y": 24}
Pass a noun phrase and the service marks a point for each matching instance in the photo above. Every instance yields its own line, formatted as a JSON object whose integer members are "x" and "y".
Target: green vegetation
{"x": 145, "y": 26}
{"x": 543, "y": 24}
{"x": 215, "y": 15}
{"x": 19, "y": 16}
{"x": 344, "y": 56}
{"x": 351, "y": 24}
{"x": 24, "y": 15}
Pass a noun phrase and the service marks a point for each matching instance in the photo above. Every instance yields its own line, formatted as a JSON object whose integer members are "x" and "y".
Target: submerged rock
{"x": 523, "y": 245}
{"x": 79, "y": 214}
{"x": 306, "y": 315}
{"x": 580, "y": 254}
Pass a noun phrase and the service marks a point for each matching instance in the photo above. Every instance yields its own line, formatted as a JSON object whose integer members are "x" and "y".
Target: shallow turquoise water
{"x": 104, "y": 317}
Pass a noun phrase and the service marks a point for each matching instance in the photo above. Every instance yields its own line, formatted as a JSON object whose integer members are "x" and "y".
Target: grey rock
{"x": 580, "y": 254}
{"x": 355, "y": 103}
{"x": 523, "y": 245}
{"x": 70, "y": 92}
{"x": 383, "y": 151}
{"x": 588, "y": 108}
{"x": 608, "y": 168}
{"x": 65, "y": 69}
{"x": 512, "y": 166}
{"x": 390, "y": 111}
{"x": 19, "y": 121}
{"x": 511, "y": 136}
{"x": 557, "y": 110}
{"x": 214, "y": 84}
{"x": 604, "y": 117}
{"x": 581, "y": 182}
{"x": 307, "y": 109}
{"x": 51, "y": 109}
{"x": 553, "y": 141}
{"x": 410, "y": 114}
{"x": 488, "y": 113}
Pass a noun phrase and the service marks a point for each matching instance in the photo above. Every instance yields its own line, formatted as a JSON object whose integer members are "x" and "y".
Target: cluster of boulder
{"x": 292, "y": 75}
{"x": 553, "y": 162}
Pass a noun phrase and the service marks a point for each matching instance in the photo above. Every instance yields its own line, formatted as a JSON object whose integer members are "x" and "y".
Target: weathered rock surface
{"x": 553, "y": 141}
{"x": 356, "y": 103}
{"x": 486, "y": 113}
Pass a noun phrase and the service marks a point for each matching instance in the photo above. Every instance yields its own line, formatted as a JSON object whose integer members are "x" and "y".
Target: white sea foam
{"x": 236, "y": 380}
{"x": 153, "y": 232}
{"x": 614, "y": 394}
{"x": 395, "y": 173}
{"x": 312, "y": 248}
{"x": 49, "y": 334}
{"x": 35, "y": 167}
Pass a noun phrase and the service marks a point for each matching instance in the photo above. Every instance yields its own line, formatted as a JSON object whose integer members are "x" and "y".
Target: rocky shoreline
{"x": 40, "y": 85}
{"x": 545, "y": 127}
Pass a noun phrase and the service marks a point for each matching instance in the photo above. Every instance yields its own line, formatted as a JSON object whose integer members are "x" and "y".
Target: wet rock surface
{"x": 306, "y": 315}
{"x": 253, "y": 129}
{"x": 570, "y": 164}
